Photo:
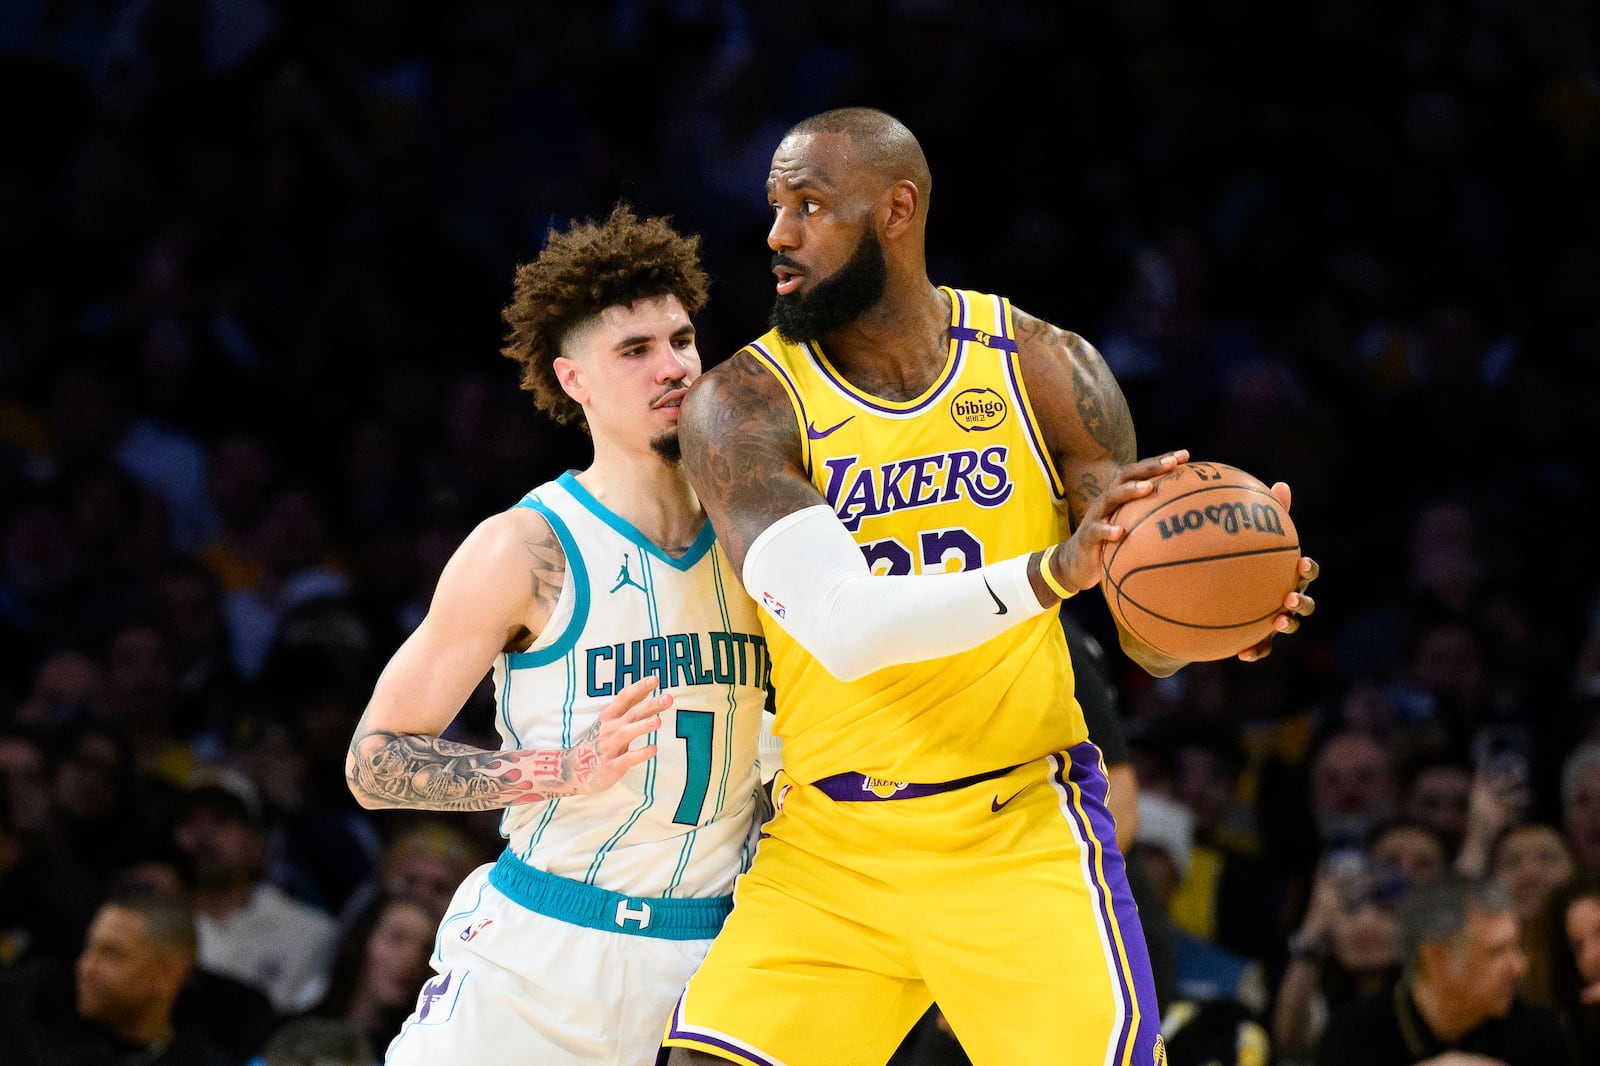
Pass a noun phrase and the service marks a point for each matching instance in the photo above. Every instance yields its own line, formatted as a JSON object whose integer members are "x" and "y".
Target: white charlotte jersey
{"x": 681, "y": 825}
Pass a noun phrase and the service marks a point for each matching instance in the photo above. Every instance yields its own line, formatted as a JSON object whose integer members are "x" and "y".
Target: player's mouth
{"x": 789, "y": 278}
{"x": 673, "y": 399}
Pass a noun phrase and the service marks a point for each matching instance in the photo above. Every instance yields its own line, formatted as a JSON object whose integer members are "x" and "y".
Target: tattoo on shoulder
{"x": 1102, "y": 409}
{"x": 737, "y": 432}
{"x": 547, "y": 567}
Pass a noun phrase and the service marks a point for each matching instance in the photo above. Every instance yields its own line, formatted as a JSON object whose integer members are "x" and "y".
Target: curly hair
{"x": 580, "y": 273}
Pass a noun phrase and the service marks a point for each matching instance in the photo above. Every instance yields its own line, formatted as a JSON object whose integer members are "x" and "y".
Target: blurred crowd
{"x": 251, "y": 398}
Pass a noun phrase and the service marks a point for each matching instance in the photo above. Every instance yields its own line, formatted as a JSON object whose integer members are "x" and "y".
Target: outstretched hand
{"x": 606, "y": 750}
{"x": 1296, "y": 605}
{"x": 1076, "y": 564}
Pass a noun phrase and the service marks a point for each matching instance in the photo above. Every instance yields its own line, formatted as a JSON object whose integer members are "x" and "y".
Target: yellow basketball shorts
{"x": 1006, "y": 901}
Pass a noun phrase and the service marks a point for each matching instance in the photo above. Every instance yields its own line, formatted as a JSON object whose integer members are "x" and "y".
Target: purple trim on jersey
{"x": 870, "y": 403}
{"x": 1031, "y": 423}
{"x": 1119, "y": 911}
{"x": 778, "y": 368}
{"x": 676, "y": 1029}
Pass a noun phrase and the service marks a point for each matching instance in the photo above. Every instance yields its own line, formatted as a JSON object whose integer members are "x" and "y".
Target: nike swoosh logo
{"x": 995, "y": 804}
{"x": 817, "y": 434}
{"x": 999, "y": 605}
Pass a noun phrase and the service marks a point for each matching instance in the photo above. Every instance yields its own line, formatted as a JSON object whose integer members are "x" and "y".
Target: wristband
{"x": 1049, "y": 578}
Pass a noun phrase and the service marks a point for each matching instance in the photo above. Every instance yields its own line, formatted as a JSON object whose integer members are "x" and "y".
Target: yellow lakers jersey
{"x": 951, "y": 480}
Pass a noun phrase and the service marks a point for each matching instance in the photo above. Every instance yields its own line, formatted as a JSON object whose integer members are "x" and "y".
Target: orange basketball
{"x": 1205, "y": 564}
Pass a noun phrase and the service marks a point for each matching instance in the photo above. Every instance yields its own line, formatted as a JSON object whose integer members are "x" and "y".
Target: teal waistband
{"x": 598, "y": 908}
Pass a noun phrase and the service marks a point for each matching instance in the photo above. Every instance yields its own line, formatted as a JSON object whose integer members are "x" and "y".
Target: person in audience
{"x": 380, "y": 961}
{"x": 118, "y": 1003}
{"x": 249, "y": 928}
{"x": 1532, "y": 860}
{"x": 1344, "y": 948}
{"x": 1564, "y": 960}
{"x": 1462, "y": 963}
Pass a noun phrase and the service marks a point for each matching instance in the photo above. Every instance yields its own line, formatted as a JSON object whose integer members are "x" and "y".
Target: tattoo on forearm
{"x": 432, "y": 773}
{"x": 1081, "y": 495}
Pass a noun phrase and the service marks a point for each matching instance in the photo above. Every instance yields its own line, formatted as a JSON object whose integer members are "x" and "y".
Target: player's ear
{"x": 898, "y": 208}
{"x": 569, "y": 374}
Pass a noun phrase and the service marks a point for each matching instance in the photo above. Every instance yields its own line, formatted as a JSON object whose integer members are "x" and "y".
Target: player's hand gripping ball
{"x": 1205, "y": 564}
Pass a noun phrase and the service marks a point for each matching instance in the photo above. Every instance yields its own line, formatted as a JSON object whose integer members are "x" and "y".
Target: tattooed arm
{"x": 1089, "y": 431}
{"x": 742, "y": 453}
{"x": 495, "y": 594}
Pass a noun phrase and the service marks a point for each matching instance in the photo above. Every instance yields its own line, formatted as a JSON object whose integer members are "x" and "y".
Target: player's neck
{"x": 897, "y": 349}
{"x": 651, "y": 494}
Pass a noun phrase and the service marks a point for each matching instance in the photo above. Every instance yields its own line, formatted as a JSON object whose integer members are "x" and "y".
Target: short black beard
{"x": 669, "y": 447}
{"x": 837, "y": 301}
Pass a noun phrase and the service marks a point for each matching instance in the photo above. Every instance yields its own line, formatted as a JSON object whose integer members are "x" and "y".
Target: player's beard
{"x": 668, "y": 446}
{"x": 838, "y": 300}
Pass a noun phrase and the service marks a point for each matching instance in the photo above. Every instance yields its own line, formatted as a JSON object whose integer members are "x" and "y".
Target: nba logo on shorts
{"x": 778, "y": 610}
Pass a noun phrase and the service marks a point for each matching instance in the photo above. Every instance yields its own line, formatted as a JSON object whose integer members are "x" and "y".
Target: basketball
{"x": 1204, "y": 564}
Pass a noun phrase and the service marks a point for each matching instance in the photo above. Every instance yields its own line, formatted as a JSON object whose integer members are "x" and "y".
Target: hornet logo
{"x": 432, "y": 992}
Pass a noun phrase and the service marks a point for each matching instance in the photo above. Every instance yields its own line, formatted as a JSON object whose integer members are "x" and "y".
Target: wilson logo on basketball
{"x": 1229, "y": 517}
{"x": 977, "y": 409}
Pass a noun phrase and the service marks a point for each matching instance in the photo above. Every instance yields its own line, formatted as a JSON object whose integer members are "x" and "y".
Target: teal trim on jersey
{"x": 569, "y": 697}
{"x": 592, "y": 907}
{"x": 701, "y": 545}
{"x": 578, "y": 574}
{"x": 731, "y": 692}
{"x": 651, "y": 767}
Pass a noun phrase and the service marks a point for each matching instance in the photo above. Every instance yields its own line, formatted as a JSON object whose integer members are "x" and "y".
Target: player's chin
{"x": 668, "y": 446}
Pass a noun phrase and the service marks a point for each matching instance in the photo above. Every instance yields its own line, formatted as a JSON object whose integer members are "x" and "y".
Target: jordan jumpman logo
{"x": 624, "y": 578}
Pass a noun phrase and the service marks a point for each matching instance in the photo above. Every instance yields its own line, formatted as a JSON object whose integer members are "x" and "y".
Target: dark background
{"x": 256, "y": 253}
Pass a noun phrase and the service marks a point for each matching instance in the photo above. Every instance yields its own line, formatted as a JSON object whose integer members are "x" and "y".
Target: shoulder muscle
{"x": 741, "y": 452}
{"x": 1081, "y": 408}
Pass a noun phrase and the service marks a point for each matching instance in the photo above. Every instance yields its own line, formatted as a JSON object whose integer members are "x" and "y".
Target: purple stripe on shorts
{"x": 1118, "y": 911}
{"x": 676, "y": 1029}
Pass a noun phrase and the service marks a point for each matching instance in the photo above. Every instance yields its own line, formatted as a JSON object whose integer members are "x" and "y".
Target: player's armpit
{"x": 742, "y": 452}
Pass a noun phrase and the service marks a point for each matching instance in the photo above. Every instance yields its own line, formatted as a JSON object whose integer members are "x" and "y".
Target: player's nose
{"x": 783, "y": 234}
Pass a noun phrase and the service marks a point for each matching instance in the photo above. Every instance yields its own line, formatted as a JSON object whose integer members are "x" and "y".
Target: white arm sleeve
{"x": 808, "y": 573}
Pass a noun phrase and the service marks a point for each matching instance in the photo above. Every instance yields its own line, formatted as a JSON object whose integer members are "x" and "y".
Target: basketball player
{"x": 628, "y": 710}
{"x": 884, "y": 467}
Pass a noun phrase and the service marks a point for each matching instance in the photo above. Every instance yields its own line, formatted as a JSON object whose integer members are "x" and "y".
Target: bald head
{"x": 849, "y": 190}
{"x": 879, "y": 144}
